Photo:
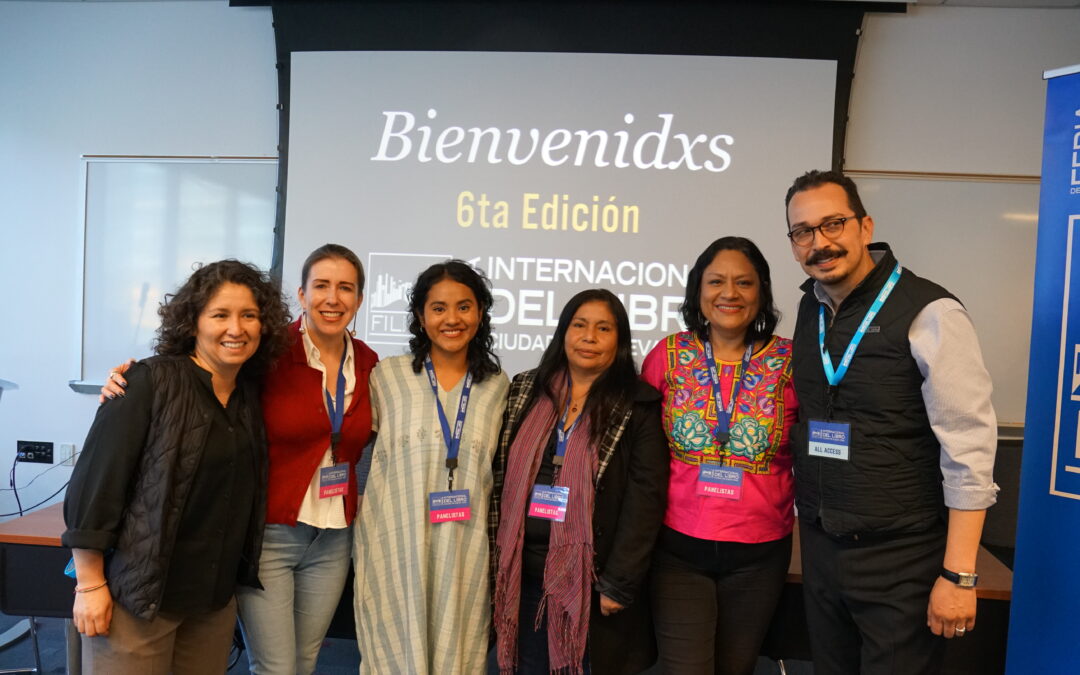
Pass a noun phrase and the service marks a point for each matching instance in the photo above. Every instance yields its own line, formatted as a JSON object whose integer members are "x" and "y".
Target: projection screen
{"x": 551, "y": 172}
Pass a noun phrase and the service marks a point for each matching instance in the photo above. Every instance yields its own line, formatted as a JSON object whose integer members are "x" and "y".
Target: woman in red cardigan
{"x": 318, "y": 419}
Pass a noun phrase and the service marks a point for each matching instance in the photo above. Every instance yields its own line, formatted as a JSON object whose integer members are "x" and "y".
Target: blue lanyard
{"x": 834, "y": 377}
{"x": 336, "y": 409}
{"x": 562, "y": 435}
{"x": 724, "y": 412}
{"x": 451, "y": 438}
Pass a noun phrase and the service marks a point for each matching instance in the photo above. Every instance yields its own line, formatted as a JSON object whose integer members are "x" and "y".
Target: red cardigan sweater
{"x": 298, "y": 428}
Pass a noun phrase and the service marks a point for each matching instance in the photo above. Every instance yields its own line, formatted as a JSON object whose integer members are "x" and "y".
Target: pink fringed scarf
{"x": 568, "y": 571}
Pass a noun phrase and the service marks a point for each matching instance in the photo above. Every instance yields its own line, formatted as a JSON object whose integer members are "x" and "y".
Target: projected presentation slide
{"x": 551, "y": 172}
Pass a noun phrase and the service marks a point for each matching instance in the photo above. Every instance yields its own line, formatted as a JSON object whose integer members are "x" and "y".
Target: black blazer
{"x": 631, "y": 498}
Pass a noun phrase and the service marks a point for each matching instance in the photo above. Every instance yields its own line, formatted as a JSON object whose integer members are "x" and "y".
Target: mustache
{"x": 826, "y": 254}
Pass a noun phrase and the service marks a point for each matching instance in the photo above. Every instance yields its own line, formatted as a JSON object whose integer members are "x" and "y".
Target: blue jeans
{"x": 303, "y": 571}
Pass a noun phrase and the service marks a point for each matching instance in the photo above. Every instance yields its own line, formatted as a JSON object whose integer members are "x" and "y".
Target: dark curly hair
{"x": 614, "y": 386}
{"x": 768, "y": 316}
{"x": 481, "y": 355}
{"x": 180, "y": 312}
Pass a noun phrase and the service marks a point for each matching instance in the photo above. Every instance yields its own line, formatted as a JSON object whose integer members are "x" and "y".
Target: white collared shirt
{"x": 326, "y": 513}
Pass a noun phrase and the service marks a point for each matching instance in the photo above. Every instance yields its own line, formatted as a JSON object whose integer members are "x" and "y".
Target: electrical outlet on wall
{"x": 67, "y": 454}
{"x": 40, "y": 452}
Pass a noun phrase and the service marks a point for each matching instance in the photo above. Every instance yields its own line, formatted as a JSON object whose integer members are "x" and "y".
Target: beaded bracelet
{"x": 103, "y": 584}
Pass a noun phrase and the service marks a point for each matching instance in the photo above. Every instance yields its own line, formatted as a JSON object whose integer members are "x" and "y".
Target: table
{"x": 32, "y": 561}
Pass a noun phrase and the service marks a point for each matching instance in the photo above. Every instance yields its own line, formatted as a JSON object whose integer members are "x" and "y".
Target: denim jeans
{"x": 303, "y": 571}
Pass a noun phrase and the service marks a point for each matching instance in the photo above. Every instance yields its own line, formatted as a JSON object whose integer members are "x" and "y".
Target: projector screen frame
{"x": 798, "y": 30}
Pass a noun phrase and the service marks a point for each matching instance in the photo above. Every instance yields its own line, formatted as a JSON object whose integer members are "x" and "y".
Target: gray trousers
{"x": 182, "y": 645}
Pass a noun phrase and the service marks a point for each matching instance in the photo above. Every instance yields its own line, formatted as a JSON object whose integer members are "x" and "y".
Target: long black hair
{"x": 481, "y": 355}
{"x": 763, "y": 325}
{"x": 614, "y": 386}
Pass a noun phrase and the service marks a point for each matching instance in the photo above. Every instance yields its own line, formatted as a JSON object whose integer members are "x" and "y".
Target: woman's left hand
{"x": 609, "y": 606}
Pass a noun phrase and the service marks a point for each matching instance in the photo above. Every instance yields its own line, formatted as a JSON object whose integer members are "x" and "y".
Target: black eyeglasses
{"x": 830, "y": 229}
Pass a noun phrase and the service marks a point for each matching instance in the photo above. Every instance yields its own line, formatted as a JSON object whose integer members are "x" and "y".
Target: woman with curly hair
{"x": 728, "y": 404}
{"x": 166, "y": 504}
{"x": 421, "y": 551}
{"x": 317, "y": 416}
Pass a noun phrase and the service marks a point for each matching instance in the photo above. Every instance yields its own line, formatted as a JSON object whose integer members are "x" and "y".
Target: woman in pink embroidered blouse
{"x": 728, "y": 402}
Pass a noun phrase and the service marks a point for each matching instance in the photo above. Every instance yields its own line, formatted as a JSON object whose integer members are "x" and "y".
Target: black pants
{"x": 532, "y": 642}
{"x": 713, "y": 601}
{"x": 866, "y": 602}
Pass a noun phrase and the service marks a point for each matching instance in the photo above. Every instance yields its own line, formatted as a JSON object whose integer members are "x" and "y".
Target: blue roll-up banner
{"x": 1044, "y": 628}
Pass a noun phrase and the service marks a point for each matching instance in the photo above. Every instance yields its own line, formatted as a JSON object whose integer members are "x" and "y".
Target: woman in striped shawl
{"x": 581, "y": 475}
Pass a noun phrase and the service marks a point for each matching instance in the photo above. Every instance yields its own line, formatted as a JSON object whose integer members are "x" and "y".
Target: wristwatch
{"x": 961, "y": 579}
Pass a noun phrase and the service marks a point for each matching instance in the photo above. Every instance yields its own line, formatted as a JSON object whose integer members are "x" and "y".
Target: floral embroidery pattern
{"x": 692, "y": 432}
{"x": 690, "y": 412}
{"x": 748, "y": 438}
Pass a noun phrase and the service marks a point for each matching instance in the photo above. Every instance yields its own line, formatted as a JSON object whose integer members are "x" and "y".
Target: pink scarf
{"x": 568, "y": 571}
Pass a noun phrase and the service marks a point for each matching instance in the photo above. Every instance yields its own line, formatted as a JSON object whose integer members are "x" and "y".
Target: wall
{"x": 938, "y": 89}
{"x": 959, "y": 90}
{"x": 956, "y": 89}
{"x": 156, "y": 78}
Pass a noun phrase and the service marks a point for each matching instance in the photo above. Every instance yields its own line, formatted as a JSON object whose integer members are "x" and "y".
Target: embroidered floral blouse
{"x": 764, "y": 412}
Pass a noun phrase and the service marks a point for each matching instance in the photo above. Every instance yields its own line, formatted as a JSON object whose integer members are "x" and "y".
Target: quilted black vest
{"x": 892, "y": 480}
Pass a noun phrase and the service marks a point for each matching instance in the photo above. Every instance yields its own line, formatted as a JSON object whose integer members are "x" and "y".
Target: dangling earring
{"x": 759, "y": 324}
{"x": 303, "y": 322}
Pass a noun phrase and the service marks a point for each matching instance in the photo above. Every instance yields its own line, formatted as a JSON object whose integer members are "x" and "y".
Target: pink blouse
{"x": 764, "y": 412}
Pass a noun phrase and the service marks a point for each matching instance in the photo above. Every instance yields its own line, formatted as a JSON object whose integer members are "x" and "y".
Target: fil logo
{"x": 390, "y": 280}
{"x": 1076, "y": 374}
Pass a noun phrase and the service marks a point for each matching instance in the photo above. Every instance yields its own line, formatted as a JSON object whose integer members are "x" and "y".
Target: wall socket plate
{"x": 40, "y": 452}
{"x": 67, "y": 454}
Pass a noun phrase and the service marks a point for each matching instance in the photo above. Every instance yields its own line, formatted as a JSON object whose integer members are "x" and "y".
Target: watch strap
{"x": 962, "y": 579}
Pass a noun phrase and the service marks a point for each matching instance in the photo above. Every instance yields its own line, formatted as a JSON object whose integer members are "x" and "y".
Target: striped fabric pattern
{"x": 422, "y": 590}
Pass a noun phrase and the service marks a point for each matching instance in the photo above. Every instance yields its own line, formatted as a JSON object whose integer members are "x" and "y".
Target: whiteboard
{"x": 148, "y": 222}
{"x": 977, "y": 239}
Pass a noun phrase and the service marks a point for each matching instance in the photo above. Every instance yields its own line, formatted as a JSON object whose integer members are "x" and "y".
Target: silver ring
{"x": 960, "y": 630}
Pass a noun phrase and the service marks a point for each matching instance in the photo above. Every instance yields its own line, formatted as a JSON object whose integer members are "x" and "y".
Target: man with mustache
{"x": 894, "y": 449}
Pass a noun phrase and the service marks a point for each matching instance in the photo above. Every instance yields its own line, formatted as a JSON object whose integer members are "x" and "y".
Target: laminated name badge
{"x": 333, "y": 480}
{"x": 446, "y": 507}
{"x": 549, "y": 502}
{"x": 830, "y": 440}
{"x": 716, "y": 480}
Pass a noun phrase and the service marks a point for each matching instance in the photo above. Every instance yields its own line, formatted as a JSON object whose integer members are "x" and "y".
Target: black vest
{"x": 892, "y": 480}
{"x": 139, "y": 566}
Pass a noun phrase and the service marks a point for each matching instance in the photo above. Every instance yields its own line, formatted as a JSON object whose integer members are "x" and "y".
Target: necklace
{"x": 576, "y": 403}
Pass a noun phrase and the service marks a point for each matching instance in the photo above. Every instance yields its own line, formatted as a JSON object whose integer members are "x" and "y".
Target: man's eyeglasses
{"x": 830, "y": 229}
